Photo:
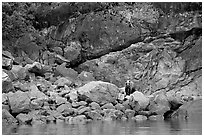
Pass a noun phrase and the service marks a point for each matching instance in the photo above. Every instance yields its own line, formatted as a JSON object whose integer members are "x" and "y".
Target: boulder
{"x": 84, "y": 110}
{"x": 100, "y": 92}
{"x": 192, "y": 111}
{"x": 119, "y": 114}
{"x": 120, "y": 107}
{"x": 159, "y": 104}
{"x": 65, "y": 108}
{"x": 80, "y": 119}
{"x": 61, "y": 82}
{"x": 19, "y": 102}
{"x": 108, "y": 106}
{"x": 7, "y": 118}
{"x": 142, "y": 100}
{"x": 109, "y": 114}
{"x": 7, "y": 85}
{"x": 24, "y": 118}
{"x": 65, "y": 72}
{"x": 129, "y": 113}
{"x": 20, "y": 72}
{"x": 94, "y": 115}
{"x": 94, "y": 106}
{"x": 72, "y": 52}
{"x": 156, "y": 117}
{"x": 139, "y": 118}
{"x": 7, "y": 60}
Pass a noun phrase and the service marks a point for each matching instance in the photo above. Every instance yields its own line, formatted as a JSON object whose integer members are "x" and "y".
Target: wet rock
{"x": 159, "y": 104}
{"x": 80, "y": 119}
{"x": 139, "y": 118}
{"x": 24, "y": 118}
{"x": 156, "y": 117}
{"x": 86, "y": 76}
{"x": 61, "y": 82}
{"x": 145, "y": 113}
{"x": 120, "y": 107}
{"x": 7, "y": 85}
{"x": 109, "y": 114}
{"x": 108, "y": 106}
{"x": 94, "y": 105}
{"x": 19, "y": 102}
{"x": 191, "y": 110}
{"x": 129, "y": 113}
{"x": 66, "y": 72}
{"x": 100, "y": 92}
{"x": 94, "y": 115}
{"x": 123, "y": 118}
{"x": 141, "y": 99}
{"x": 7, "y": 118}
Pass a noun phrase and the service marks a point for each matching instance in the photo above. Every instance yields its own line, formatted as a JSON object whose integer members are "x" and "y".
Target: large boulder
{"x": 19, "y": 102}
{"x": 141, "y": 99}
{"x": 159, "y": 104}
{"x": 100, "y": 92}
{"x": 191, "y": 111}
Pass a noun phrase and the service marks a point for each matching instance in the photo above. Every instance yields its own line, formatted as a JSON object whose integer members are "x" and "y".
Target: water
{"x": 167, "y": 127}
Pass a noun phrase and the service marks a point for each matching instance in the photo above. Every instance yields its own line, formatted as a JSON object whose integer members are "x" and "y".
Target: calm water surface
{"x": 170, "y": 127}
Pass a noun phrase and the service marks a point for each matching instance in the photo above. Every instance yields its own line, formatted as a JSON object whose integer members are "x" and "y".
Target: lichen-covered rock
{"x": 100, "y": 92}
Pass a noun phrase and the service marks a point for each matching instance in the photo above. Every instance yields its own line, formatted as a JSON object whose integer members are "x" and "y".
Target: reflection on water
{"x": 170, "y": 127}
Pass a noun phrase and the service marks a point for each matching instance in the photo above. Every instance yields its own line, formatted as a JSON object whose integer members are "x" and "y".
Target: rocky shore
{"x": 45, "y": 80}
